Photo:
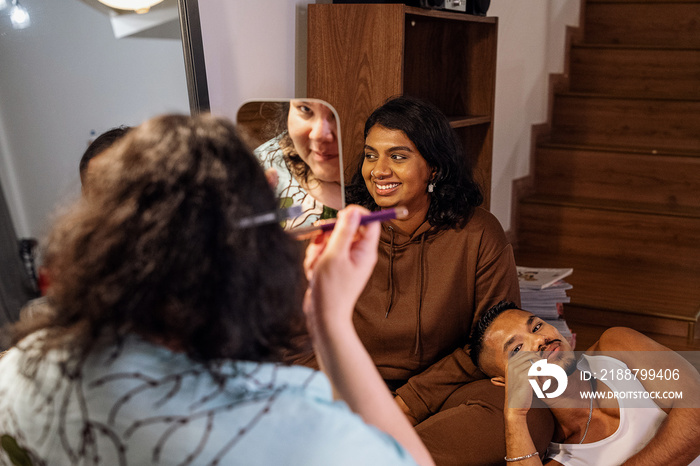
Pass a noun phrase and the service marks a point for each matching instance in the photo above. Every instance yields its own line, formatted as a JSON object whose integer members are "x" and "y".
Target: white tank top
{"x": 637, "y": 425}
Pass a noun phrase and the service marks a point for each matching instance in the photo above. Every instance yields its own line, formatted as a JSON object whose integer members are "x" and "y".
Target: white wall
{"x": 249, "y": 51}
{"x": 253, "y": 50}
{"x": 531, "y": 42}
{"x": 68, "y": 76}
{"x": 62, "y": 78}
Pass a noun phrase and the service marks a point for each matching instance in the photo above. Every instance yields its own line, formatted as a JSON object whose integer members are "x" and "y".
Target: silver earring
{"x": 431, "y": 187}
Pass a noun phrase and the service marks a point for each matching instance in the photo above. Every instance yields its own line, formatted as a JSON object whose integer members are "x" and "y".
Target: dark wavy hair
{"x": 476, "y": 338}
{"x": 456, "y": 193}
{"x": 157, "y": 250}
{"x": 278, "y": 128}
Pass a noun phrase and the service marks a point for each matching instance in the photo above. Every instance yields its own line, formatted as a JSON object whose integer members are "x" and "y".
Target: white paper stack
{"x": 547, "y": 302}
{"x": 543, "y": 292}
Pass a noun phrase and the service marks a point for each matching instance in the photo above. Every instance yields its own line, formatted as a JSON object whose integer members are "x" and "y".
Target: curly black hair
{"x": 277, "y": 128}
{"x": 456, "y": 193}
{"x": 476, "y": 338}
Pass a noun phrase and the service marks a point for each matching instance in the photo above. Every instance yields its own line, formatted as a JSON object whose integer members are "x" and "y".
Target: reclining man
{"x": 620, "y": 421}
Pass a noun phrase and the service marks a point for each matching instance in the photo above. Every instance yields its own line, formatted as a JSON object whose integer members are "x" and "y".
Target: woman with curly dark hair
{"x": 451, "y": 192}
{"x": 172, "y": 309}
{"x": 439, "y": 268}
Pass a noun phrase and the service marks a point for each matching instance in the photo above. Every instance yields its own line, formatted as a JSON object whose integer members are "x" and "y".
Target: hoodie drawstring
{"x": 391, "y": 274}
{"x": 417, "y": 349}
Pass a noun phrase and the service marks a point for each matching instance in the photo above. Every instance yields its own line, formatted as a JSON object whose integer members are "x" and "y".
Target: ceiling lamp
{"x": 19, "y": 15}
{"x": 138, "y": 6}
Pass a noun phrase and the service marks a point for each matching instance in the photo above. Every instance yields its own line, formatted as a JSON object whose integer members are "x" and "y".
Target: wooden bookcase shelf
{"x": 461, "y": 122}
{"x": 359, "y": 55}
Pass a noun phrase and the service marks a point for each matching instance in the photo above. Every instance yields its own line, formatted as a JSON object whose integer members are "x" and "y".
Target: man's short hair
{"x": 476, "y": 339}
{"x": 99, "y": 145}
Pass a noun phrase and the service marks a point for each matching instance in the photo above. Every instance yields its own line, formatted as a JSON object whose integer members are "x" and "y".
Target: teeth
{"x": 383, "y": 187}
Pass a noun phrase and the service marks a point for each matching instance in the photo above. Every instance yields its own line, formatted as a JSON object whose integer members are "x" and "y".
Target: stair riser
{"x": 659, "y": 179}
{"x": 640, "y": 322}
{"x": 655, "y": 24}
{"x": 656, "y": 124}
{"x": 627, "y": 236}
{"x": 653, "y": 73}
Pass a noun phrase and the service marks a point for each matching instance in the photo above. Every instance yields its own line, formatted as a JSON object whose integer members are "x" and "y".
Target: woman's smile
{"x": 325, "y": 155}
{"x": 386, "y": 189}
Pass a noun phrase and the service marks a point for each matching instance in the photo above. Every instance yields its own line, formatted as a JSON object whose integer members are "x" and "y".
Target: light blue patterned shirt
{"x": 144, "y": 404}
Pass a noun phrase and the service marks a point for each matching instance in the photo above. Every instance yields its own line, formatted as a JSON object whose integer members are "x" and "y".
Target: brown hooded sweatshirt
{"x": 417, "y": 310}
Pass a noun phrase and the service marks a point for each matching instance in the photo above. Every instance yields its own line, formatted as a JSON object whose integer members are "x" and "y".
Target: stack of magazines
{"x": 543, "y": 292}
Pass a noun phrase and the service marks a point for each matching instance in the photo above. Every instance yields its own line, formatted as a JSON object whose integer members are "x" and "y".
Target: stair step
{"x": 587, "y": 332}
{"x": 639, "y": 150}
{"x": 658, "y": 297}
{"x": 635, "y": 71}
{"x": 666, "y": 179}
{"x": 684, "y": 330}
{"x": 641, "y": 1}
{"x": 629, "y": 232}
{"x": 641, "y": 122}
{"x": 643, "y": 23}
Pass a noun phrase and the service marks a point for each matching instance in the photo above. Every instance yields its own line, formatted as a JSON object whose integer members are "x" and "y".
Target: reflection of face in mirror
{"x": 314, "y": 132}
{"x": 298, "y": 144}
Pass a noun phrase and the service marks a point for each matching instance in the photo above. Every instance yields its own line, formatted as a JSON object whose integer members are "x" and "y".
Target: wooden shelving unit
{"x": 359, "y": 55}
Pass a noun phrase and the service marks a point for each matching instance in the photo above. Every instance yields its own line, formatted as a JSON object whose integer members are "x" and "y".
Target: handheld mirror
{"x": 298, "y": 144}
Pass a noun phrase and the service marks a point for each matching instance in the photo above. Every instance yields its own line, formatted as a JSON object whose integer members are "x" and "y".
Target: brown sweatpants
{"x": 469, "y": 430}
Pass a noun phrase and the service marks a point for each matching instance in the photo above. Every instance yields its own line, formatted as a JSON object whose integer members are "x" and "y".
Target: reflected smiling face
{"x": 395, "y": 173}
{"x": 314, "y": 132}
{"x": 514, "y": 331}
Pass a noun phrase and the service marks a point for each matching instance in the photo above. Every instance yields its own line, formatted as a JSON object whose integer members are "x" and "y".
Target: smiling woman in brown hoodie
{"x": 439, "y": 268}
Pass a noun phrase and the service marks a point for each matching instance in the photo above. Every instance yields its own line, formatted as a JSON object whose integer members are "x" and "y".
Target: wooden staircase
{"x": 616, "y": 191}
